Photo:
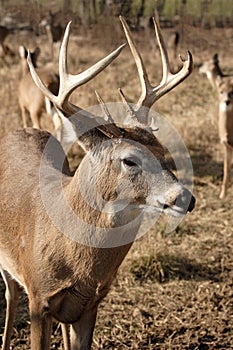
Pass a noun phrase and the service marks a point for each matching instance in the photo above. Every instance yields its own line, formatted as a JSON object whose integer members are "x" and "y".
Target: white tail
{"x": 223, "y": 84}
{"x": 64, "y": 237}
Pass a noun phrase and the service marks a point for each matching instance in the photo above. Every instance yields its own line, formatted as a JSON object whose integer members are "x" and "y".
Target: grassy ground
{"x": 173, "y": 291}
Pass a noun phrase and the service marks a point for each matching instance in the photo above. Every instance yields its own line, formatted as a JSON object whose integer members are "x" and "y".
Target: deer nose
{"x": 228, "y": 102}
{"x": 183, "y": 201}
{"x": 186, "y": 200}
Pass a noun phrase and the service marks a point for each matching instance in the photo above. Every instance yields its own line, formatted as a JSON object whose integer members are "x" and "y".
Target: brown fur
{"x": 31, "y": 99}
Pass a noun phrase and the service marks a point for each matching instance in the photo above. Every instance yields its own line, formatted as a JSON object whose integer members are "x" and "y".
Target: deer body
{"x": 31, "y": 99}
{"x": 64, "y": 280}
{"x": 223, "y": 84}
{"x": 64, "y": 237}
{"x": 225, "y": 124}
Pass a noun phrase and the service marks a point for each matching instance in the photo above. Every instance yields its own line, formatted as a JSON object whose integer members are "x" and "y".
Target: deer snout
{"x": 186, "y": 200}
{"x": 177, "y": 204}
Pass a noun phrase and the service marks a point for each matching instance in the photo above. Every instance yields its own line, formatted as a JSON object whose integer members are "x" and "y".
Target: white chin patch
{"x": 226, "y": 108}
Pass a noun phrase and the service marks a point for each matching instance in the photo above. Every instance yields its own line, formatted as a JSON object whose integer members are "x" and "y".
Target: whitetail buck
{"x": 223, "y": 84}
{"x": 64, "y": 237}
{"x": 32, "y": 101}
{"x": 54, "y": 31}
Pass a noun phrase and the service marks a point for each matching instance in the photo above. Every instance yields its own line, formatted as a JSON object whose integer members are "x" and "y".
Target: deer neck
{"x": 24, "y": 68}
{"x": 214, "y": 74}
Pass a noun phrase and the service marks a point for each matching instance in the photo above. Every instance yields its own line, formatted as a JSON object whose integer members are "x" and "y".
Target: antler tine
{"x": 150, "y": 94}
{"x": 130, "y": 111}
{"x": 110, "y": 129}
{"x": 143, "y": 77}
{"x": 106, "y": 114}
{"x": 162, "y": 48}
{"x": 69, "y": 82}
{"x": 63, "y": 74}
{"x": 169, "y": 80}
{"x": 37, "y": 80}
{"x": 65, "y": 85}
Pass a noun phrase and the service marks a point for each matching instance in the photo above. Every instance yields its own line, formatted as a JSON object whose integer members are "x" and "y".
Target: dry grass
{"x": 173, "y": 291}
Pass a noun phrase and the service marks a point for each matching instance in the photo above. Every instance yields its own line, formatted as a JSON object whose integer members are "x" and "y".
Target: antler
{"x": 149, "y": 93}
{"x": 69, "y": 82}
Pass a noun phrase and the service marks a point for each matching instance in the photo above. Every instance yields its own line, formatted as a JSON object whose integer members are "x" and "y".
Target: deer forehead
{"x": 145, "y": 140}
{"x": 206, "y": 67}
{"x": 117, "y": 150}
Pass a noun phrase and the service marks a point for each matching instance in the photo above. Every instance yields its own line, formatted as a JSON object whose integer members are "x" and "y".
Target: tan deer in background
{"x": 211, "y": 69}
{"x": 172, "y": 44}
{"x": 54, "y": 31}
{"x": 32, "y": 101}
{"x": 225, "y": 123}
{"x": 64, "y": 237}
{"x": 223, "y": 84}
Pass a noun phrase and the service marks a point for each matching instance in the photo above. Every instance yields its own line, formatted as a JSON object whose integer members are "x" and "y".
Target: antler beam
{"x": 69, "y": 82}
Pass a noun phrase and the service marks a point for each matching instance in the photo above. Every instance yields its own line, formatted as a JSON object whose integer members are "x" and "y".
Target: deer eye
{"x": 131, "y": 162}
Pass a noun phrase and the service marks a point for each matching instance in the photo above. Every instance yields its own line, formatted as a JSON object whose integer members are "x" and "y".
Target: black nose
{"x": 192, "y": 203}
{"x": 186, "y": 200}
{"x": 228, "y": 102}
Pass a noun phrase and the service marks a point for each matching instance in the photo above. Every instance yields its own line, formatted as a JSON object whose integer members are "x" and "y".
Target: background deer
{"x": 225, "y": 92}
{"x": 223, "y": 84}
{"x": 31, "y": 100}
{"x": 211, "y": 69}
{"x": 172, "y": 44}
{"x": 4, "y": 32}
{"x": 5, "y": 50}
{"x": 67, "y": 269}
{"x": 54, "y": 31}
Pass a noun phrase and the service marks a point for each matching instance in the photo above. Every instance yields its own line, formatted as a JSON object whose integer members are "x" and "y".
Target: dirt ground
{"x": 173, "y": 291}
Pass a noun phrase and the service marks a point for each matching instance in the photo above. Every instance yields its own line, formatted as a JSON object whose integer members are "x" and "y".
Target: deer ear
{"x": 36, "y": 52}
{"x": 215, "y": 58}
{"x": 22, "y": 51}
{"x": 218, "y": 80}
{"x": 67, "y": 132}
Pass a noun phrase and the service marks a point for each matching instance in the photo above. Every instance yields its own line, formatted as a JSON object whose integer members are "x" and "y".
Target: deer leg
{"x": 66, "y": 336}
{"x": 41, "y": 324}
{"x": 35, "y": 120}
{"x": 57, "y": 125}
{"x": 226, "y": 169}
{"x": 82, "y": 331}
{"x": 24, "y": 116}
{"x": 12, "y": 297}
